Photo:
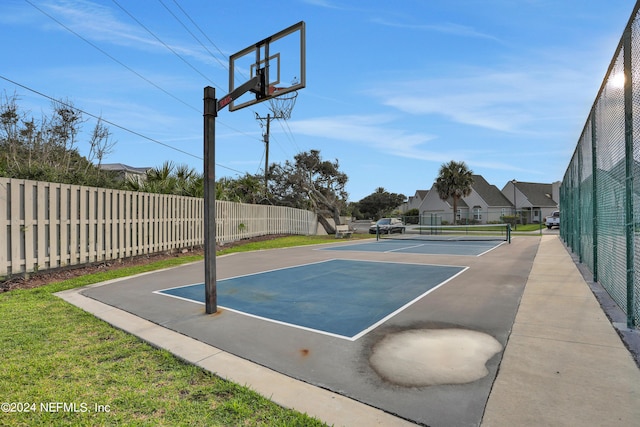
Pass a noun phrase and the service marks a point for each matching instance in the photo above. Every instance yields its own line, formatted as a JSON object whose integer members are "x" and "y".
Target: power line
{"x": 199, "y": 29}
{"x": 155, "y": 141}
{"x": 192, "y": 35}
{"x": 131, "y": 69}
{"x": 163, "y": 43}
{"x": 140, "y": 75}
{"x": 110, "y": 56}
{"x": 186, "y": 14}
{"x": 260, "y": 162}
{"x": 290, "y": 135}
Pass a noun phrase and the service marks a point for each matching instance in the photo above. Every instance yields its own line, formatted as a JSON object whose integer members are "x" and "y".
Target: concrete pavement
{"x": 564, "y": 363}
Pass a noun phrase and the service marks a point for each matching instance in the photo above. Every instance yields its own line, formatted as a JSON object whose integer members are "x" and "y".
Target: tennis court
{"x": 463, "y": 240}
{"x": 426, "y": 247}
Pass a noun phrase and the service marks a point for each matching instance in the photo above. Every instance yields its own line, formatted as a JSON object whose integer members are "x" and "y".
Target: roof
{"x": 421, "y": 193}
{"x": 120, "y": 167}
{"x": 459, "y": 204}
{"x": 488, "y": 192}
{"x": 538, "y": 194}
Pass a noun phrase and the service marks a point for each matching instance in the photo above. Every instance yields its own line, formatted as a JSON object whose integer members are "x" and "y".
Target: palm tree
{"x": 454, "y": 181}
{"x": 170, "y": 179}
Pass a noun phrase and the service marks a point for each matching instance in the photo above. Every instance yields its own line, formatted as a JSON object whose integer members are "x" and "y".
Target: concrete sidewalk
{"x": 564, "y": 363}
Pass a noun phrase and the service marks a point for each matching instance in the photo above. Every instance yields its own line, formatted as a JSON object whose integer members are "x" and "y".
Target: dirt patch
{"x": 34, "y": 280}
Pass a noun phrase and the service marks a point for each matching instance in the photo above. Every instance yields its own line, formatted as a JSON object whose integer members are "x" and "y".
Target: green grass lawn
{"x": 527, "y": 228}
{"x": 63, "y": 366}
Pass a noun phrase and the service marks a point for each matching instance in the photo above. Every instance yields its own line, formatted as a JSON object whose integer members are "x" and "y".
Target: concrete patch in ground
{"x": 427, "y": 357}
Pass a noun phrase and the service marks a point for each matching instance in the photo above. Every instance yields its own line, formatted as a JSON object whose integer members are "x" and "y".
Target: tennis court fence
{"x": 48, "y": 225}
{"x": 599, "y": 195}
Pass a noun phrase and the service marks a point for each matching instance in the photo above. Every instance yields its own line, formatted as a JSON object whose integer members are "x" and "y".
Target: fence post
{"x": 629, "y": 162}
{"x": 594, "y": 193}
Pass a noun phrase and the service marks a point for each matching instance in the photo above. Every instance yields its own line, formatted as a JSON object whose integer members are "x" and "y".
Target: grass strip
{"x": 289, "y": 241}
{"x": 63, "y": 366}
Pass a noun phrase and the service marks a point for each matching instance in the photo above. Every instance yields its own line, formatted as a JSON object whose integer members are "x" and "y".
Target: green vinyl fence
{"x": 600, "y": 191}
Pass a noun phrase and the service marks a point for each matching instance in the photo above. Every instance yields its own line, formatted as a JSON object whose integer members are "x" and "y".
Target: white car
{"x": 553, "y": 220}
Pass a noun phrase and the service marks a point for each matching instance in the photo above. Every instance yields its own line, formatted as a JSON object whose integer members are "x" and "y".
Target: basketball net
{"x": 282, "y": 106}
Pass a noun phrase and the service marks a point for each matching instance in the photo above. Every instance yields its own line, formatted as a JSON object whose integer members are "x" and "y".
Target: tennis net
{"x": 479, "y": 232}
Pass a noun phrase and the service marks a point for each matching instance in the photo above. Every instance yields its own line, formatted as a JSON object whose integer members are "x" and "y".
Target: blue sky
{"x": 393, "y": 89}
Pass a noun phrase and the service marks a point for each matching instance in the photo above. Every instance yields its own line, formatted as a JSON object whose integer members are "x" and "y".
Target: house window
{"x": 477, "y": 213}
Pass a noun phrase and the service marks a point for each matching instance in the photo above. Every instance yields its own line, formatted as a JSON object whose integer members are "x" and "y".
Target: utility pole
{"x": 266, "y": 156}
{"x": 265, "y": 137}
{"x": 281, "y": 107}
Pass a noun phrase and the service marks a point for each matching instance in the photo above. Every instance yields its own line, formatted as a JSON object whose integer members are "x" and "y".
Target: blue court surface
{"x": 342, "y": 298}
{"x": 433, "y": 247}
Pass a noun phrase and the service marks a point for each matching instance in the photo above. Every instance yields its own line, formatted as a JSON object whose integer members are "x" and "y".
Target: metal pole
{"x": 578, "y": 211}
{"x": 629, "y": 166}
{"x": 210, "y": 113}
{"x": 266, "y": 157}
{"x": 515, "y": 207}
{"x": 594, "y": 193}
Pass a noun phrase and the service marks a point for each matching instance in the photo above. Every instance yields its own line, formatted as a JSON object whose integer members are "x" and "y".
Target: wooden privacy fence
{"x": 48, "y": 225}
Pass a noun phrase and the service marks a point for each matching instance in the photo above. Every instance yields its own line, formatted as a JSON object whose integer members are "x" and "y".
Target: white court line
{"x": 489, "y": 250}
{"x": 255, "y": 316}
{"x": 404, "y": 307}
{"x": 404, "y": 248}
{"x": 435, "y": 243}
{"x": 439, "y": 244}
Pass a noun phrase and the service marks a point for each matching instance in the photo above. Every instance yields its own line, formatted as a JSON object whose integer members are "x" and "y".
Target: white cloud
{"x": 378, "y": 132}
{"x": 100, "y": 23}
{"x": 445, "y": 28}
{"x": 504, "y": 100}
{"x": 361, "y": 129}
{"x": 322, "y": 3}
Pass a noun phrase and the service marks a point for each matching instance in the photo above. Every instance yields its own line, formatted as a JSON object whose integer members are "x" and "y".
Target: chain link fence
{"x": 476, "y": 216}
{"x": 599, "y": 196}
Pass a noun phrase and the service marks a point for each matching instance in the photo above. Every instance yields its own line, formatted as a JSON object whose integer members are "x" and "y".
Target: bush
{"x": 411, "y": 219}
{"x": 510, "y": 219}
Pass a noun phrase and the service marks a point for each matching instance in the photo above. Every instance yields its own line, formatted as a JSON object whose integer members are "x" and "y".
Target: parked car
{"x": 387, "y": 226}
{"x": 553, "y": 220}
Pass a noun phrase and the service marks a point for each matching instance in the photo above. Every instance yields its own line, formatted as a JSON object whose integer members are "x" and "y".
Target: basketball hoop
{"x": 282, "y": 106}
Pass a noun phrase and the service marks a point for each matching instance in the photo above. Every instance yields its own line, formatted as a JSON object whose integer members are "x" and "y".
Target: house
{"x": 532, "y": 201}
{"x": 126, "y": 172}
{"x": 485, "y": 204}
{"x": 414, "y": 201}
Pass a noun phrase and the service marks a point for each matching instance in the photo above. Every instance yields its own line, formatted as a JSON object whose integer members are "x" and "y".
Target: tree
{"x": 380, "y": 203}
{"x": 100, "y": 143}
{"x": 170, "y": 179}
{"x": 246, "y": 189}
{"x": 310, "y": 183}
{"x": 46, "y": 150}
{"x": 454, "y": 181}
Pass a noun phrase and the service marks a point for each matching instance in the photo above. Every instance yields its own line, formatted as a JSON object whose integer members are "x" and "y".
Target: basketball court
{"x": 299, "y": 296}
{"x": 415, "y": 329}
{"x": 327, "y": 316}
